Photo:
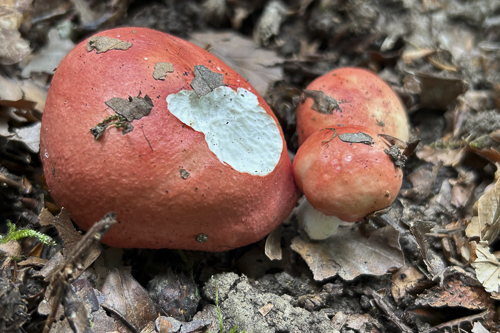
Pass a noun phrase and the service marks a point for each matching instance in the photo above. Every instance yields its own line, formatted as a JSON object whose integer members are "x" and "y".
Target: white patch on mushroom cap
{"x": 237, "y": 129}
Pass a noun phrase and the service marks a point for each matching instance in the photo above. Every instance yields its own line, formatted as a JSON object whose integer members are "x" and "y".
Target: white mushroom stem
{"x": 317, "y": 225}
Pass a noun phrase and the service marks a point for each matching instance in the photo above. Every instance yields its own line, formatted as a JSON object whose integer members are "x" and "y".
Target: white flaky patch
{"x": 237, "y": 129}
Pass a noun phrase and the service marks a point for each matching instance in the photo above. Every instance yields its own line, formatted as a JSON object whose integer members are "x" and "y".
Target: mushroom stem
{"x": 317, "y": 225}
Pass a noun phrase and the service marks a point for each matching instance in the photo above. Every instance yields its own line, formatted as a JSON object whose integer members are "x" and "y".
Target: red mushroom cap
{"x": 172, "y": 186}
{"x": 351, "y": 96}
{"x": 345, "y": 179}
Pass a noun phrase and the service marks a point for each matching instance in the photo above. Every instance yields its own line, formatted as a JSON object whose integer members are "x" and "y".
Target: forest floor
{"x": 429, "y": 264}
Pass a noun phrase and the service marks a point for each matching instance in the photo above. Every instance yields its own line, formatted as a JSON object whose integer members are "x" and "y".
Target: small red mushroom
{"x": 351, "y": 96}
{"x": 345, "y": 173}
{"x": 169, "y": 137}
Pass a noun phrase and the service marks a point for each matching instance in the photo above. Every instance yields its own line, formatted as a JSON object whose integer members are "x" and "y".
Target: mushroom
{"x": 169, "y": 137}
{"x": 351, "y": 96}
{"x": 345, "y": 173}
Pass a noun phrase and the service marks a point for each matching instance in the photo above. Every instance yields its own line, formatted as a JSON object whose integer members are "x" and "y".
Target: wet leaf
{"x": 349, "y": 254}
{"x": 255, "y": 64}
{"x": 205, "y": 80}
{"x": 104, "y": 44}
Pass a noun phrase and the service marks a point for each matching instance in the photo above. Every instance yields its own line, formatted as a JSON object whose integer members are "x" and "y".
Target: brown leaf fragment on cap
{"x": 205, "y": 80}
{"x": 184, "y": 173}
{"x": 132, "y": 108}
{"x": 359, "y": 137}
{"x": 321, "y": 102}
{"x": 104, "y": 44}
{"x": 161, "y": 70}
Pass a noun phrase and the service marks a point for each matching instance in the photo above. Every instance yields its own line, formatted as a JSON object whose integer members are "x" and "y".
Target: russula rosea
{"x": 169, "y": 137}
{"x": 351, "y": 96}
{"x": 345, "y": 173}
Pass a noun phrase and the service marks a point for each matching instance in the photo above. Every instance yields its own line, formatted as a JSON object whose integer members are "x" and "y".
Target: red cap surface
{"x": 167, "y": 186}
{"x": 358, "y": 97}
{"x": 345, "y": 179}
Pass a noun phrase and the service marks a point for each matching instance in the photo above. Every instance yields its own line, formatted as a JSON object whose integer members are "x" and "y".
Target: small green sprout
{"x": 17, "y": 235}
{"x": 219, "y": 312}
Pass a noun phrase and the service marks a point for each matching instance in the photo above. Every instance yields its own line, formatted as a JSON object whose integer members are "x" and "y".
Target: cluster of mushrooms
{"x": 190, "y": 156}
{"x": 348, "y": 165}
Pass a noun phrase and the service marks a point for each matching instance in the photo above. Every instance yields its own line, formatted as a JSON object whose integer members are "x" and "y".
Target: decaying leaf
{"x": 486, "y": 224}
{"x": 180, "y": 326}
{"x": 455, "y": 293}
{"x": 446, "y": 156}
{"x": 29, "y": 136}
{"x": 322, "y": 102}
{"x": 408, "y": 280}
{"x": 14, "y": 47}
{"x": 205, "y": 80}
{"x": 126, "y": 111}
{"x": 161, "y": 70}
{"x": 47, "y": 60}
{"x": 125, "y": 297}
{"x": 269, "y": 22}
{"x": 273, "y": 244}
{"x": 487, "y": 267}
{"x": 257, "y": 65}
{"x": 359, "y": 137}
{"x": 349, "y": 254}
{"x": 68, "y": 270}
{"x": 24, "y": 95}
{"x": 104, "y": 44}
{"x": 132, "y": 108}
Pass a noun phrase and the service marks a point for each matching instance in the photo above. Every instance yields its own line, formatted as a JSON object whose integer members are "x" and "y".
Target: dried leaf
{"x": 487, "y": 268}
{"x": 273, "y": 244}
{"x": 359, "y": 137}
{"x": 161, "y": 70}
{"x": 322, "y": 102}
{"x": 269, "y": 22}
{"x": 487, "y": 222}
{"x": 266, "y": 309}
{"x": 455, "y": 293}
{"x": 49, "y": 57}
{"x": 29, "y": 136}
{"x": 448, "y": 157}
{"x": 25, "y": 95}
{"x": 64, "y": 226}
{"x": 14, "y": 47}
{"x": 408, "y": 280}
{"x": 479, "y": 328}
{"x": 132, "y": 108}
{"x": 349, "y": 254}
{"x": 128, "y": 298}
{"x": 205, "y": 80}
{"x": 255, "y": 64}
{"x": 104, "y": 44}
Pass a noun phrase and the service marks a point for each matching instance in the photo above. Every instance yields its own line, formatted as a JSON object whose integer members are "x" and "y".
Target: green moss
{"x": 17, "y": 235}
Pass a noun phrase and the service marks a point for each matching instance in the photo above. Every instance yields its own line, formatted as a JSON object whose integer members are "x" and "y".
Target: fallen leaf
{"x": 205, "y": 80}
{"x": 487, "y": 267}
{"x": 29, "y": 136}
{"x": 487, "y": 224}
{"x": 14, "y": 47}
{"x": 161, "y": 70}
{"x": 408, "y": 280}
{"x": 49, "y": 57}
{"x": 446, "y": 156}
{"x": 269, "y": 22}
{"x": 349, "y": 254}
{"x": 104, "y": 44}
{"x": 266, "y": 309}
{"x": 255, "y": 64}
{"x": 479, "y": 328}
{"x": 455, "y": 293}
{"x": 273, "y": 244}
{"x": 127, "y": 297}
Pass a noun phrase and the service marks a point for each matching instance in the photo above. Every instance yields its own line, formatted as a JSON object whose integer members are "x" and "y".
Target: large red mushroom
{"x": 351, "y": 96}
{"x": 174, "y": 141}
